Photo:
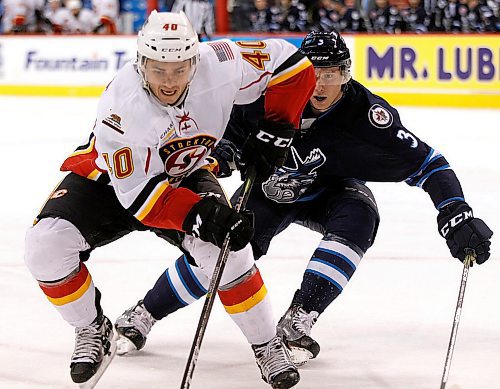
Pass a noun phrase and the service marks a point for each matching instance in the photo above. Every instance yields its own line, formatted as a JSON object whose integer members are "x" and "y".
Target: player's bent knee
{"x": 52, "y": 248}
{"x": 356, "y": 222}
{"x": 206, "y": 255}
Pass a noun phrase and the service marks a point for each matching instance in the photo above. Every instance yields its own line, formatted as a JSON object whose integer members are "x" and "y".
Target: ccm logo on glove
{"x": 455, "y": 221}
{"x": 276, "y": 140}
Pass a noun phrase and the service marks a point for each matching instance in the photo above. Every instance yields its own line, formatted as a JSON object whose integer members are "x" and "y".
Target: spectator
{"x": 260, "y": 17}
{"x": 352, "y": 19}
{"x": 414, "y": 17}
{"x": 84, "y": 20}
{"x": 107, "y": 12}
{"x": 21, "y": 16}
{"x": 239, "y": 12}
{"x": 327, "y": 16}
{"x": 200, "y": 13}
{"x": 385, "y": 18}
{"x": 480, "y": 17}
{"x": 436, "y": 15}
{"x": 293, "y": 16}
{"x": 61, "y": 18}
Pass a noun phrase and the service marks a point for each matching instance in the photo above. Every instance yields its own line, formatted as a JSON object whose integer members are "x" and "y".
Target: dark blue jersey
{"x": 360, "y": 137}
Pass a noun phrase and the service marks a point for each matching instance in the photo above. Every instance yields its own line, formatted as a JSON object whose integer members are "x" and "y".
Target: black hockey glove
{"x": 210, "y": 221}
{"x": 462, "y": 231}
{"x": 228, "y": 157}
{"x": 266, "y": 148}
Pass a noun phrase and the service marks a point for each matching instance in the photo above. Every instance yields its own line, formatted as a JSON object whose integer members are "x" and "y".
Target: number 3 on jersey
{"x": 256, "y": 58}
{"x": 122, "y": 163}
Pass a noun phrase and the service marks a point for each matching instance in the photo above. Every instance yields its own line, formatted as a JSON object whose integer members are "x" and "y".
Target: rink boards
{"x": 415, "y": 70}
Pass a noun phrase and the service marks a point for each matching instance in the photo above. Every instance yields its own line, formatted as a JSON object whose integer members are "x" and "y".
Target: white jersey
{"x": 85, "y": 21}
{"x": 147, "y": 148}
{"x": 63, "y": 20}
{"x": 20, "y": 11}
{"x": 106, "y": 8}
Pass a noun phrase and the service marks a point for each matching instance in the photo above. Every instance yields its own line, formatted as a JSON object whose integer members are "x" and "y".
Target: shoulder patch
{"x": 222, "y": 51}
{"x": 114, "y": 122}
{"x": 379, "y": 116}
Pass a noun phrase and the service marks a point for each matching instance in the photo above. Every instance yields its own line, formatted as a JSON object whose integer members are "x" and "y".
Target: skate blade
{"x": 124, "y": 346}
{"x": 91, "y": 383}
{"x": 299, "y": 356}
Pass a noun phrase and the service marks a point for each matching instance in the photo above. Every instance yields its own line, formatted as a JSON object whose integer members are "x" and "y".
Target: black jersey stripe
{"x": 143, "y": 196}
{"x": 86, "y": 145}
{"x": 291, "y": 61}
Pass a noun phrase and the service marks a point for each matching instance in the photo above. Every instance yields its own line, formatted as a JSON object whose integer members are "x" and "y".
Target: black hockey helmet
{"x": 326, "y": 49}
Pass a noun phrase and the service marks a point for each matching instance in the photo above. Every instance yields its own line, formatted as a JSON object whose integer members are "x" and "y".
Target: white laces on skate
{"x": 302, "y": 321}
{"x": 272, "y": 358}
{"x": 88, "y": 344}
{"x": 296, "y": 323}
{"x": 137, "y": 317}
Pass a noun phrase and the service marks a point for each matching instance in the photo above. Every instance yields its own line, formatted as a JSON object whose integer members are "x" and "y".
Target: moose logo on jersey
{"x": 286, "y": 185}
{"x": 181, "y": 155}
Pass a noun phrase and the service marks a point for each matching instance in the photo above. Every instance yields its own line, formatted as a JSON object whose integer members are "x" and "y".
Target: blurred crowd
{"x": 59, "y": 16}
{"x": 373, "y": 16}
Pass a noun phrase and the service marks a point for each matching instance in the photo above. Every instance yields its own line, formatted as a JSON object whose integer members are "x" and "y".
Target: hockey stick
{"x": 214, "y": 285}
{"x": 469, "y": 258}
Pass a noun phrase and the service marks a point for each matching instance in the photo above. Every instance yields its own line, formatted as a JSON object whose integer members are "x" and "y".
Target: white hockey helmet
{"x": 73, "y": 4}
{"x": 167, "y": 37}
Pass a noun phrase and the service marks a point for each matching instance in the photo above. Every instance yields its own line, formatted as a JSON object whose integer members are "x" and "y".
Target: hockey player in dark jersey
{"x": 348, "y": 136}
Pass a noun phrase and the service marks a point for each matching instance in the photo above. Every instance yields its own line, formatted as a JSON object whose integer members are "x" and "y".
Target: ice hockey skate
{"x": 95, "y": 347}
{"x": 275, "y": 364}
{"x": 133, "y": 327}
{"x": 295, "y": 330}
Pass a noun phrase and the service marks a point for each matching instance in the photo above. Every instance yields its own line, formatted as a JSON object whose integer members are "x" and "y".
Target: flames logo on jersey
{"x": 181, "y": 155}
{"x": 287, "y": 185}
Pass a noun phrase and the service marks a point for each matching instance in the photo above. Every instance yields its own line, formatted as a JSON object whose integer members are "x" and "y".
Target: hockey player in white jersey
{"x": 157, "y": 123}
{"x": 20, "y": 15}
{"x": 106, "y": 14}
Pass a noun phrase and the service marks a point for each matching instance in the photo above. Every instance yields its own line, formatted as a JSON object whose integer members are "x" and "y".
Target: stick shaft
{"x": 469, "y": 258}
{"x": 214, "y": 285}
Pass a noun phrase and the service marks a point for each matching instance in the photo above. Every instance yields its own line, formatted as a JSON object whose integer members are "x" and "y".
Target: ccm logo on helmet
{"x": 173, "y": 50}
{"x": 455, "y": 221}
{"x": 278, "y": 141}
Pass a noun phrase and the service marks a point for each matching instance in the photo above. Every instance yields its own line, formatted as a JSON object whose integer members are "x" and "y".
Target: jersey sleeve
{"x": 276, "y": 69}
{"x": 415, "y": 162}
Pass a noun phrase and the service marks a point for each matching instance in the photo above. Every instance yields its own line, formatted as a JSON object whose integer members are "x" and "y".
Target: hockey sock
{"x": 178, "y": 286}
{"x": 247, "y": 302}
{"x": 74, "y": 297}
{"x": 328, "y": 272}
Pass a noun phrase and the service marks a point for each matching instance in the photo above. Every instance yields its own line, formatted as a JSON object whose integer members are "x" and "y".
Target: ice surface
{"x": 388, "y": 330}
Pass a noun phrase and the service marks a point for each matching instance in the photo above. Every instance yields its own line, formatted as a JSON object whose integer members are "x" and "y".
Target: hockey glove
{"x": 266, "y": 148}
{"x": 462, "y": 230}
{"x": 211, "y": 221}
{"x": 227, "y": 156}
